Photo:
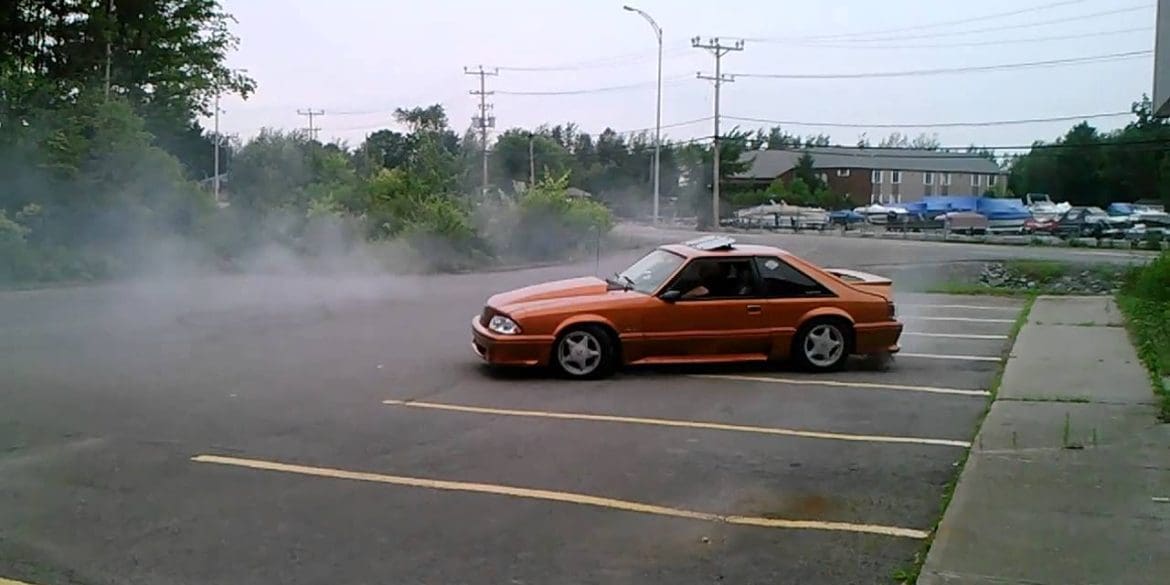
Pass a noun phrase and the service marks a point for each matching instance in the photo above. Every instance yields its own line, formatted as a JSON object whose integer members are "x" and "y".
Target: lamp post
{"x": 219, "y": 139}
{"x": 658, "y": 108}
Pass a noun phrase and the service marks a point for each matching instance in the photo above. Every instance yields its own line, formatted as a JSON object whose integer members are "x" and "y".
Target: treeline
{"x": 1090, "y": 167}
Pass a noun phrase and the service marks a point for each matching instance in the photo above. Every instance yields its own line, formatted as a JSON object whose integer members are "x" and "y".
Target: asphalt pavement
{"x": 311, "y": 429}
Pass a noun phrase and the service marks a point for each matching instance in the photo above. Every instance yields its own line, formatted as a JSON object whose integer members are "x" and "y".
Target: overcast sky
{"x": 360, "y": 59}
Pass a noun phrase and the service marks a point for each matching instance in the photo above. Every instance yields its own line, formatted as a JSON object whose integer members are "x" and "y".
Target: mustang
{"x": 706, "y": 300}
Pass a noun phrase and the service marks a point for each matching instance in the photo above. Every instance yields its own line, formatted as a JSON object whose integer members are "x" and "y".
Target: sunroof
{"x": 712, "y": 243}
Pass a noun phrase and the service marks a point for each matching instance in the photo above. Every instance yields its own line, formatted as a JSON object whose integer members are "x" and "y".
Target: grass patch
{"x": 1147, "y": 321}
{"x": 1039, "y": 270}
{"x": 909, "y": 575}
{"x": 966, "y": 288}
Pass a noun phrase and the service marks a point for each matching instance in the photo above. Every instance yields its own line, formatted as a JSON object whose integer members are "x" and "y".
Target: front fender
{"x": 584, "y": 318}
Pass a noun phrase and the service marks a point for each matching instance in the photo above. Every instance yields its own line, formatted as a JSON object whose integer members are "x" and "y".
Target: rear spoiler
{"x": 864, "y": 280}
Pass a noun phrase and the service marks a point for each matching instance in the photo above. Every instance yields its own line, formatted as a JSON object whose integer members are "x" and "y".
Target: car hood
{"x": 558, "y": 289}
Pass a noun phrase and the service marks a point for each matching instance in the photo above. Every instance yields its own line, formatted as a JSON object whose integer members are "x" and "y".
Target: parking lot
{"x": 340, "y": 451}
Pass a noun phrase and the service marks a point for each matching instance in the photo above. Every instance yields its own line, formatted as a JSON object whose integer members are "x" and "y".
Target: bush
{"x": 553, "y": 225}
{"x": 1145, "y": 300}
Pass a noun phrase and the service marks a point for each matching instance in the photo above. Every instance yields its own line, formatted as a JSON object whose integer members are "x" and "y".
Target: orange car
{"x": 706, "y": 300}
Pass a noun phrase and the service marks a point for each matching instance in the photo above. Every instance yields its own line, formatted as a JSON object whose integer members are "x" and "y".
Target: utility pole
{"x": 531, "y": 161}
{"x": 483, "y": 120}
{"x": 718, "y": 49}
{"x": 109, "y": 47}
{"x": 311, "y": 113}
{"x": 218, "y": 139}
{"x": 658, "y": 107}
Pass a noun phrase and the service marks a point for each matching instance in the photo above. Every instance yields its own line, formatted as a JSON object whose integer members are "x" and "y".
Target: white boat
{"x": 879, "y": 214}
{"x": 1042, "y": 207}
{"x": 782, "y": 215}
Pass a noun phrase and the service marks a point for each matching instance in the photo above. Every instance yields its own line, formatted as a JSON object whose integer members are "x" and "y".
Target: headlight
{"x": 503, "y": 325}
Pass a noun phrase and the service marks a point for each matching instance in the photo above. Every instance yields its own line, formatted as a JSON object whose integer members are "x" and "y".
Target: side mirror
{"x": 671, "y": 296}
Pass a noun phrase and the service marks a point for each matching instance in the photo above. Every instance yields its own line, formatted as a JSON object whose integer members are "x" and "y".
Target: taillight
{"x": 892, "y": 310}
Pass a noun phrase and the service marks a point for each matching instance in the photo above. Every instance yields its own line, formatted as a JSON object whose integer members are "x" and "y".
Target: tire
{"x": 584, "y": 352}
{"x": 834, "y": 349}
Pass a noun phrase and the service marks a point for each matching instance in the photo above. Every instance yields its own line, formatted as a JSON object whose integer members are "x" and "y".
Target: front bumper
{"x": 879, "y": 337}
{"x": 509, "y": 350}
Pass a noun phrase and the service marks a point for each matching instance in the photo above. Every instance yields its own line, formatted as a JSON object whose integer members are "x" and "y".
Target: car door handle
{"x": 754, "y": 309}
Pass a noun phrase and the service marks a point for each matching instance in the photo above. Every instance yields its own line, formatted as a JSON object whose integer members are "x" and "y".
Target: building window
{"x": 991, "y": 180}
{"x": 896, "y": 191}
{"x": 895, "y": 177}
{"x": 946, "y": 179}
{"x": 944, "y": 190}
{"x": 928, "y": 179}
{"x": 928, "y": 190}
{"x": 877, "y": 177}
{"x": 974, "y": 180}
{"x": 824, "y": 177}
{"x": 842, "y": 172}
{"x": 876, "y": 194}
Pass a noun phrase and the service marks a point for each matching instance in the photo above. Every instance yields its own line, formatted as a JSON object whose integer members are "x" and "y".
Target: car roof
{"x": 732, "y": 251}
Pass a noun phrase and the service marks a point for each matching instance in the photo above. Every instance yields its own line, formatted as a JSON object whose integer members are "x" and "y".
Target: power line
{"x": 1000, "y": 28}
{"x": 925, "y": 26}
{"x": 943, "y": 71}
{"x": 952, "y": 152}
{"x": 933, "y": 124}
{"x": 1029, "y": 40}
{"x": 601, "y": 62}
{"x": 597, "y": 89}
{"x": 671, "y": 125}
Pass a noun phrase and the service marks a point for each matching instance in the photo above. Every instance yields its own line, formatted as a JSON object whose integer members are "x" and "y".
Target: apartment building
{"x": 880, "y": 175}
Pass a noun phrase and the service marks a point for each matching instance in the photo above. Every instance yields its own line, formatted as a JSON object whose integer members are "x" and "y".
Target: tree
{"x": 806, "y": 172}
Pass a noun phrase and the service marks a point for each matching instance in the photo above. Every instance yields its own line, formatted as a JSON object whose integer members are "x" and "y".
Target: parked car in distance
{"x": 1085, "y": 222}
{"x": 1039, "y": 225}
{"x": 702, "y": 301}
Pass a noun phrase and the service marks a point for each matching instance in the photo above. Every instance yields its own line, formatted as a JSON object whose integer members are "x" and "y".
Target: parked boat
{"x": 879, "y": 214}
{"x": 782, "y": 215}
{"x": 1003, "y": 215}
{"x": 1042, "y": 207}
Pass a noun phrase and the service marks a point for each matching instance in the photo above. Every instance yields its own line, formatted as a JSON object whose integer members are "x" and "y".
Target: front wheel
{"x": 823, "y": 346}
{"x": 584, "y": 353}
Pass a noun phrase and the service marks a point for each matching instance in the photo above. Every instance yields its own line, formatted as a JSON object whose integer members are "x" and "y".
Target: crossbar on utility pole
{"x": 312, "y": 114}
{"x": 718, "y": 49}
{"x": 483, "y": 120}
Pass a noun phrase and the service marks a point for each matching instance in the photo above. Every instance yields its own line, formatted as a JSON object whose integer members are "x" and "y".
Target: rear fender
{"x": 824, "y": 312}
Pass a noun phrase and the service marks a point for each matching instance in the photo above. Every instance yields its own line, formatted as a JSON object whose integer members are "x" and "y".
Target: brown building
{"x": 879, "y": 175}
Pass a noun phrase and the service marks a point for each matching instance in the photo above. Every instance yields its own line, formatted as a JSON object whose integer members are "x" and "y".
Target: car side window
{"x": 707, "y": 278}
{"x": 781, "y": 280}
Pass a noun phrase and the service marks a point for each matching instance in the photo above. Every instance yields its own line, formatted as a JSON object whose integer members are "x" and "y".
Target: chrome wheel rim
{"x": 824, "y": 345}
{"x": 579, "y": 353}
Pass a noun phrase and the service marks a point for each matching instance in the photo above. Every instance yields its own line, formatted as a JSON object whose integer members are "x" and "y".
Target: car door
{"x": 726, "y": 323}
{"x": 788, "y": 295}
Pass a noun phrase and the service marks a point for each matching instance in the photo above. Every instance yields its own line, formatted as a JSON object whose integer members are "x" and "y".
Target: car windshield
{"x": 648, "y": 274}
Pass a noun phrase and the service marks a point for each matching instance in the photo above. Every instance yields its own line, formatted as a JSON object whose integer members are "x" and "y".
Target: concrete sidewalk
{"x": 1068, "y": 477}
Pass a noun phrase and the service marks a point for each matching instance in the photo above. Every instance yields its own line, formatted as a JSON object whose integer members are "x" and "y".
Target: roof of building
{"x": 769, "y": 164}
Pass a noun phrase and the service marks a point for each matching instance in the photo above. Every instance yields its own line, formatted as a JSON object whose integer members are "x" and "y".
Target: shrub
{"x": 552, "y": 224}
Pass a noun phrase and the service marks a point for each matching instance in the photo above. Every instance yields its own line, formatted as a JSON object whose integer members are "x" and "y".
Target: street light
{"x": 218, "y": 138}
{"x": 658, "y": 109}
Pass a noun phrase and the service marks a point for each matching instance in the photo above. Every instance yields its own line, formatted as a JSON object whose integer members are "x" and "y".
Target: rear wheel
{"x": 585, "y": 352}
{"x": 823, "y": 345}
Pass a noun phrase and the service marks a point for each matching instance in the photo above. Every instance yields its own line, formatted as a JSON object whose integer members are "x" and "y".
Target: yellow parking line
{"x": 844, "y": 384}
{"x": 556, "y": 496}
{"x": 665, "y": 422}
